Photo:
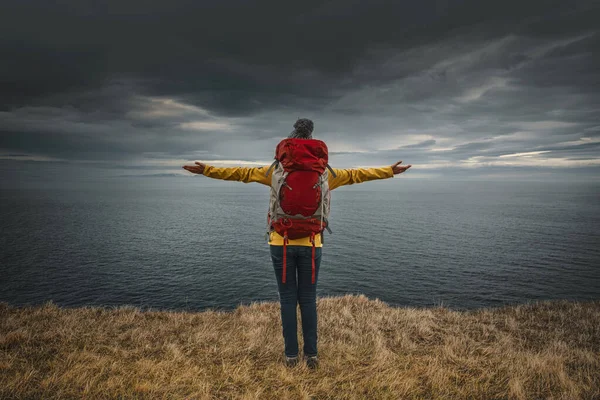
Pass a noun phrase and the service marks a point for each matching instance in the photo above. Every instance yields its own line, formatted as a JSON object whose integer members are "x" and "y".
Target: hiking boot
{"x": 312, "y": 362}
{"x": 291, "y": 361}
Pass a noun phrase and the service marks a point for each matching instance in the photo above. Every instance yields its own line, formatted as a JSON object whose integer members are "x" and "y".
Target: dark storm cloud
{"x": 235, "y": 54}
{"x": 436, "y": 82}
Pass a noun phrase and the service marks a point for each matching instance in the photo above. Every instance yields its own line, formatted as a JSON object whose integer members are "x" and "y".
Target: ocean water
{"x": 192, "y": 243}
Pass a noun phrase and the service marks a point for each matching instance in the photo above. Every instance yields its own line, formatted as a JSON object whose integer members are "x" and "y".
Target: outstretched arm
{"x": 239, "y": 174}
{"x": 359, "y": 175}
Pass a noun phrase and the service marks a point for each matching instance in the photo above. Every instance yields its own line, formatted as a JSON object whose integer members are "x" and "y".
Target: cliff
{"x": 367, "y": 349}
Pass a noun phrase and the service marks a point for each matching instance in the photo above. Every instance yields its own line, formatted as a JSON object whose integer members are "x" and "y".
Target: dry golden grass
{"x": 367, "y": 350}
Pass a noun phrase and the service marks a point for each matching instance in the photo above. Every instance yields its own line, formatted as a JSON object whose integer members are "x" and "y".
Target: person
{"x": 303, "y": 255}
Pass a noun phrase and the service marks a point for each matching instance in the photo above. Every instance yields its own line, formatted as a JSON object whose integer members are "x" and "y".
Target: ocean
{"x": 191, "y": 243}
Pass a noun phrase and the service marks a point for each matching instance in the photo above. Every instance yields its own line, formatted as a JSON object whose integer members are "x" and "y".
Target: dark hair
{"x": 303, "y": 128}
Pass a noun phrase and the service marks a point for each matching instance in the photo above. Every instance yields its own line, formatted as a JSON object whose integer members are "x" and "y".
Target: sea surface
{"x": 191, "y": 243}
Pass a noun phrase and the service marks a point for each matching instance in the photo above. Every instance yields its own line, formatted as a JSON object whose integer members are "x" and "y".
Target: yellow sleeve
{"x": 239, "y": 174}
{"x": 352, "y": 176}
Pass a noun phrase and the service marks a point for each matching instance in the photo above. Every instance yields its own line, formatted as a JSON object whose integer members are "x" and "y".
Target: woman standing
{"x": 300, "y": 258}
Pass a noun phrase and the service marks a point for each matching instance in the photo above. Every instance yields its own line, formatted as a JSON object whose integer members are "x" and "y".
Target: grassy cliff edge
{"x": 367, "y": 350}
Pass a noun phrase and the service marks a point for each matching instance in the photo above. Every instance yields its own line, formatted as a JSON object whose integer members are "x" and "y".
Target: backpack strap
{"x": 331, "y": 170}
{"x": 312, "y": 240}
{"x": 327, "y": 227}
{"x": 271, "y": 167}
{"x": 285, "y": 240}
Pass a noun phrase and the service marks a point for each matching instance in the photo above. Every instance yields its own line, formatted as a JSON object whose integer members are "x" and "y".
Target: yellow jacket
{"x": 343, "y": 177}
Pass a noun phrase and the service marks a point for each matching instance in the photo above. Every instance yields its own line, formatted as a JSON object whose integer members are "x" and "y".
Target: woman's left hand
{"x": 196, "y": 169}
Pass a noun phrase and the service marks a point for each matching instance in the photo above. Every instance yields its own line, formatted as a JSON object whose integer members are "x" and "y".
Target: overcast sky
{"x": 478, "y": 88}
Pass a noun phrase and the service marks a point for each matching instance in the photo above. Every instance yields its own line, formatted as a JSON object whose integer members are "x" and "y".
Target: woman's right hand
{"x": 398, "y": 169}
{"x": 196, "y": 169}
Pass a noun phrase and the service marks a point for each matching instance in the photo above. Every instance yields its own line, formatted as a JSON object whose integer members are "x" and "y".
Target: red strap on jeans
{"x": 312, "y": 239}
{"x": 285, "y": 240}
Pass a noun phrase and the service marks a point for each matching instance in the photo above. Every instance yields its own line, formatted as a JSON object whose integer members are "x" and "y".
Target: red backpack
{"x": 300, "y": 198}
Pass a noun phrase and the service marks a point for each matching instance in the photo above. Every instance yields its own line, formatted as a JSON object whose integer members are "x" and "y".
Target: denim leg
{"x": 307, "y": 297}
{"x": 287, "y": 297}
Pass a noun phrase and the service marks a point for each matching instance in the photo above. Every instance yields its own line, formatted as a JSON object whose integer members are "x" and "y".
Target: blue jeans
{"x": 298, "y": 289}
